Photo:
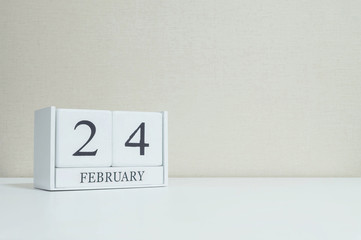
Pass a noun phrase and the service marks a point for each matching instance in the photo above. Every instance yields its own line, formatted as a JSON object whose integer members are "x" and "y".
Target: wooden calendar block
{"x": 97, "y": 149}
{"x": 83, "y": 138}
{"x": 137, "y": 138}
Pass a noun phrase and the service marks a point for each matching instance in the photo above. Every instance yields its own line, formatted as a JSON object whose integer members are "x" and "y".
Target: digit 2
{"x": 93, "y": 130}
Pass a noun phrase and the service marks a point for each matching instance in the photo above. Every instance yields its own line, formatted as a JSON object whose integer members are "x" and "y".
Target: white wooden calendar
{"x": 95, "y": 149}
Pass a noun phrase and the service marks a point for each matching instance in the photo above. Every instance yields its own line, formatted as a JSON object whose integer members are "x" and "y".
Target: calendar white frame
{"x": 44, "y": 154}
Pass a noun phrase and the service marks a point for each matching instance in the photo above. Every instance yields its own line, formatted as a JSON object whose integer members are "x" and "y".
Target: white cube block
{"x": 83, "y": 138}
{"x": 137, "y": 138}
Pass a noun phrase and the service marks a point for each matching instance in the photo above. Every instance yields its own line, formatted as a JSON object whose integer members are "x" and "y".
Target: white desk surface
{"x": 190, "y": 208}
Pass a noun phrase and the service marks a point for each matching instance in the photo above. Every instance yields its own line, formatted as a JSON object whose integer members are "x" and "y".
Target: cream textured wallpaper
{"x": 253, "y": 87}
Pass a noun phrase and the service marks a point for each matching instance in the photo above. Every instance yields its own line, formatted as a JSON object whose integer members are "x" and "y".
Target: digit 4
{"x": 141, "y": 143}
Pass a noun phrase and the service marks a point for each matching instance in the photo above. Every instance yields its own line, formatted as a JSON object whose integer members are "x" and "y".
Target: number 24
{"x": 142, "y": 144}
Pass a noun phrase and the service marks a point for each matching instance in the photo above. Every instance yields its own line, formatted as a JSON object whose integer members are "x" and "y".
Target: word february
{"x": 99, "y": 177}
